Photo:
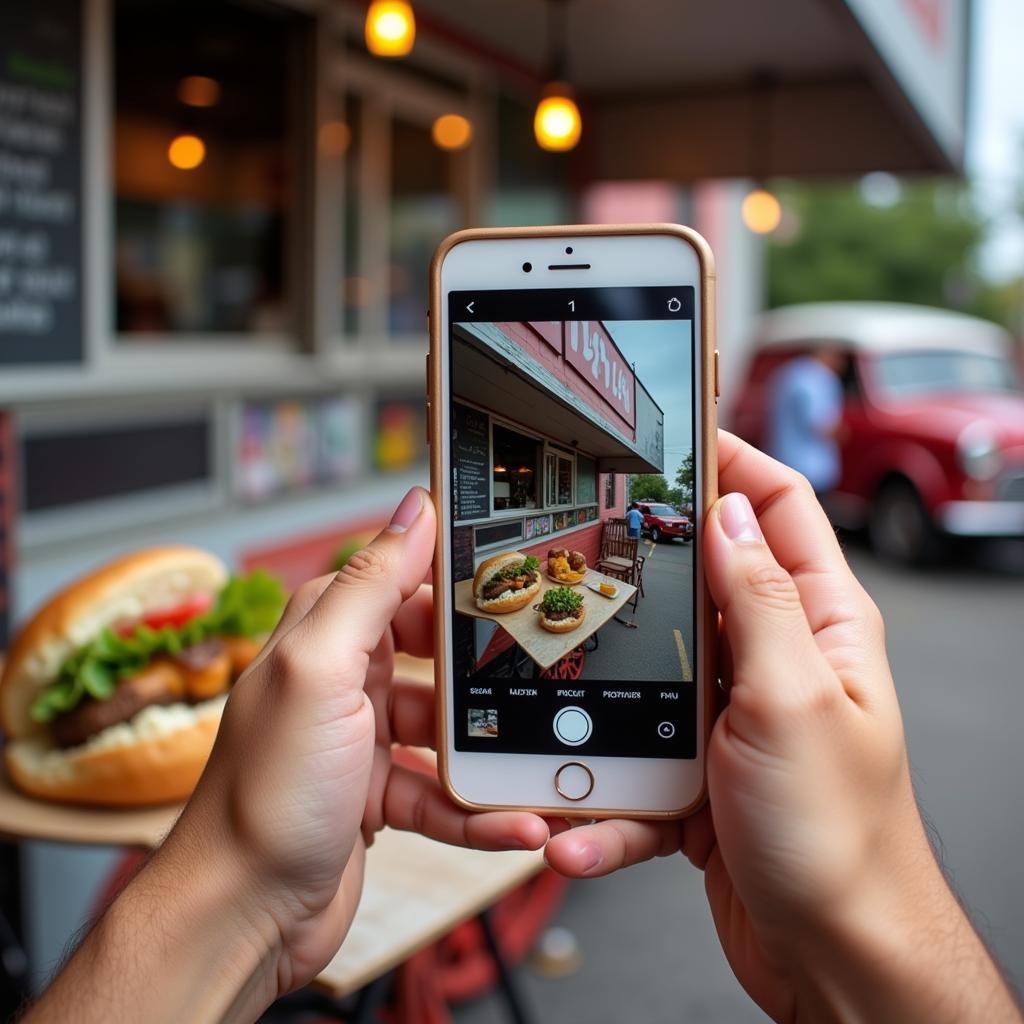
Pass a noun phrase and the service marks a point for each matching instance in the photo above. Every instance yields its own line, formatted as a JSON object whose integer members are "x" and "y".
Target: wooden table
{"x": 415, "y": 889}
{"x": 523, "y": 626}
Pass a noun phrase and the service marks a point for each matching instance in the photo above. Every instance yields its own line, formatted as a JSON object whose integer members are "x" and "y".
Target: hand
{"x": 321, "y": 703}
{"x": 818, "y": 871}
{"x": 255, "y": 887}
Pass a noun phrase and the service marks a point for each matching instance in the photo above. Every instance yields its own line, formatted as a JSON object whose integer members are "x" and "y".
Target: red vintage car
{"x": 661, "y": 521}
{"x": 932, "y": 434}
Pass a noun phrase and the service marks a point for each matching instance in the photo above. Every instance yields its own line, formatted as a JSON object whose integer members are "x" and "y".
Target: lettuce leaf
{"x": 246, "y": 606}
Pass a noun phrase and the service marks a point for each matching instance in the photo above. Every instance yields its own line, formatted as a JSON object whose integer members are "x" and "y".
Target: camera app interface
{"x": 572, "y": 537}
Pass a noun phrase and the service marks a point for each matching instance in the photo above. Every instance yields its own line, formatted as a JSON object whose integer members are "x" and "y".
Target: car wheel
{"x": 900, "y": 528}
{"x": 655, "y": 535}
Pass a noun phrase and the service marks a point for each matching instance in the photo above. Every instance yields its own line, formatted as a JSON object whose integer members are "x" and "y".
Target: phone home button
{"x": 574, "y": 781}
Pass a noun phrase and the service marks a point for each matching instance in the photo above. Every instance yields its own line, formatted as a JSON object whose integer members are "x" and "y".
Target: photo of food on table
{"x": 571, "y": 489}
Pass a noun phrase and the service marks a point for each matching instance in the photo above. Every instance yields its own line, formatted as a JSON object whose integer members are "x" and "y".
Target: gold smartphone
{"x": 572, "y": 393}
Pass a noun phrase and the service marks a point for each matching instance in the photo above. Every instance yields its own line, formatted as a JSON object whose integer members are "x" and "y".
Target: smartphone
{"x": 572, "y": 392}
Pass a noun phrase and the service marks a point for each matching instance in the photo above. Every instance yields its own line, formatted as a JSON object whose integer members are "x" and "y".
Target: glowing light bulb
{"x": 186, "y": 152}
{"x": 199, "y": 91}
{"x": 761, "y": 211}
{"x": 556, "y": 123}
{"x": 451, "y": 131}
{"x": 390, "y": 28}
{"x": 334, "y": 138}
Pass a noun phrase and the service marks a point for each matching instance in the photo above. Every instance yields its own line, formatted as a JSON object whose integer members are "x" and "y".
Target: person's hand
{"x": 821, "y": 881}
{"x": 255, "y": 887}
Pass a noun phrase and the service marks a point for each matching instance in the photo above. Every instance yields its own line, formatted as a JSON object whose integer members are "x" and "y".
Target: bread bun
{"x": 510, "y": 602}
{"x": 155, "y": 758}
{"x": 564, "y": 625}
{"x": 129, "y": 588}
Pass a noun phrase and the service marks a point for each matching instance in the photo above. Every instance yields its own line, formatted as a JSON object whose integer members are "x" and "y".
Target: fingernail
{"x": 738, "y": 520}
{"x": 407, "y": 512}
{"x": 590, "y": 854}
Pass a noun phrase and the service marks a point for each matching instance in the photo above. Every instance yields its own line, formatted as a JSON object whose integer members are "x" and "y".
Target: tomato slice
{"x": 176, "y": 616}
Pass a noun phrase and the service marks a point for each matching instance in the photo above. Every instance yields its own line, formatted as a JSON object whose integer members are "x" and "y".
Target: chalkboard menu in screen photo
{"x": 40, "y": 181}
{"x": 471, "y": 464}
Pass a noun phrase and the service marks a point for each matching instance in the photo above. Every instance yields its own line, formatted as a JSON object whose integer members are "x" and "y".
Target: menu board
{"x": 6, "y": 525}
{"x": 40, "y": 181}
{"x": 471, "y": 463}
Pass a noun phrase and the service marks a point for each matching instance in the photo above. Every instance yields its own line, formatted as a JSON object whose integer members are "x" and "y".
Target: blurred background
{"x": 216, "y": 220}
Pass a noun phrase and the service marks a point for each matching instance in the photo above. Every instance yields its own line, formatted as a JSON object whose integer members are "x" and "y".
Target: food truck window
{"x": 206, "y": 95}
{"x": 423, "y": 211}
{"x": 514, "y": 471}
{"x": 559, "y": 478}
{"x": 609, "y": 490}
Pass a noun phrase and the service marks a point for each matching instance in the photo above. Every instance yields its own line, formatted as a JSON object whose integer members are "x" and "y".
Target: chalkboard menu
{"x": 6, "y": 525}
{"x": 40, "y": 181}
{"x": 471, "y": 464}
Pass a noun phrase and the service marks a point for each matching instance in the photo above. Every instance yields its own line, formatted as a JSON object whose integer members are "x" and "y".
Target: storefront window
{"x": 609, "y": 490}
{"x": 558, "y": 474}
{"x": 356, "y": 285}
{"x": 586, "y": 480}
{"x": 423, "y": 211}
{"x": 515, "y": 469}
{"x": 205, "y": 93}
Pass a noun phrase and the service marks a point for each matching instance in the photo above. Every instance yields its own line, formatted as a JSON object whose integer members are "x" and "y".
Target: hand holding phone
{"x": 572, "y": 400}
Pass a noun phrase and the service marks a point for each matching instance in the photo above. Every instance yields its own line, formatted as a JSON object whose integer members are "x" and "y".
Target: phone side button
{"x": 718, "y": 389}
{"x": 574, "y": 781}
{"x": 428, "y": 422}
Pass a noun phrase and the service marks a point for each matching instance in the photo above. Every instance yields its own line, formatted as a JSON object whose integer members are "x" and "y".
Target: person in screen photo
{"x": 634, "y": 520}
{"x": 559, "y": 428}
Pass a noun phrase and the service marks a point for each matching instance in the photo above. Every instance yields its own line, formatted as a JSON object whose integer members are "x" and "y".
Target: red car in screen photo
{"x": 932, "y": 434}
{"x": 663, "y": 522}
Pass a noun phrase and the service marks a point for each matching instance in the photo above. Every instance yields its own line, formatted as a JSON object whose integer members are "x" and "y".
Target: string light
{"x": 390, "y": 28}
{"x": 451, "y": 131}
{"x": 186, "y": 152}
{"x": 199, "y": 91}
{"x": 761, "y": 211}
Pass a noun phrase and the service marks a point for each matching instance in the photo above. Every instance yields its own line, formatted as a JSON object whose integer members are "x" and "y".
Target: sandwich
{"x": 561, "y": 610}
{"x": 112, "y": 693}
{"x": 506, "y": 582}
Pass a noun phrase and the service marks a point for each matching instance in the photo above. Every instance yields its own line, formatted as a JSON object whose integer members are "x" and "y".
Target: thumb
{"x": 358, "y": 604}
{"x": 774, "y": 655}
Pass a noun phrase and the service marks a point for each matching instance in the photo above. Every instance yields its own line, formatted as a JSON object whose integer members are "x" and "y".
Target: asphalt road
{"x": 955, "y": 637}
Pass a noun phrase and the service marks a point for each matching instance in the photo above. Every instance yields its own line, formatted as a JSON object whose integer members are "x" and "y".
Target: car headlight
{"x": 977, "y": 451}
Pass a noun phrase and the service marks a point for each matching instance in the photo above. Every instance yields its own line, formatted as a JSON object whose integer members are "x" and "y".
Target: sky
{"x": 995, "y": 141}
{"x": 662, "y": 358}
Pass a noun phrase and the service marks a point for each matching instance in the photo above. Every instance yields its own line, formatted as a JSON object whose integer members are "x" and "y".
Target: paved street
{"x": 956, "y": 642}
{"x": 652, "y": 651}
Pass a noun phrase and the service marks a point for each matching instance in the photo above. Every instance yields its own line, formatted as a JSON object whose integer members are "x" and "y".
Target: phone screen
{"x": 572, "y": 447}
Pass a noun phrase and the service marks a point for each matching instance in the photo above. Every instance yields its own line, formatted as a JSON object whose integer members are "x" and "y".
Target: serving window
{"x": 514, "y": 469}
{"x": 207, "y": 107}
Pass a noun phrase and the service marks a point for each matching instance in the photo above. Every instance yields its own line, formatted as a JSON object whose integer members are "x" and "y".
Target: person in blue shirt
{"x": 634, "y": 520}
{"x": 805, "y": 407}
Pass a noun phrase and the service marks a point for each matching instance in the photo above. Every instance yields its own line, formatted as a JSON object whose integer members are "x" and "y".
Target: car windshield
{"x": 662, "y": 510}
{"x": 922, "y": 373}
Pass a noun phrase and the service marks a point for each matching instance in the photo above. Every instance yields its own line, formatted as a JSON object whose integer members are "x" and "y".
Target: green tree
{"x": 684, "y": 478}
{"x": 653, "y": 486}
{"x": 675, "y": 497}
{"x": 920, "y": 248}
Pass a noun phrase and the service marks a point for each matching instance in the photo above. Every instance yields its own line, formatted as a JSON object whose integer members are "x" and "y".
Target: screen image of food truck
{"x": 548, "y": 419}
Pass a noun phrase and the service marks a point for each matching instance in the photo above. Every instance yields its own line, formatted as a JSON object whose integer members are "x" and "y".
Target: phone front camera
{"x": 568, "y": 250}
{"x": 527, "y": 267}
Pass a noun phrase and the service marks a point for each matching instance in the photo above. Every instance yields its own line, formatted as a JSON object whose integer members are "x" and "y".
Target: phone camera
{"x": 527, "y": 267}
{"x": 568, "y": 250}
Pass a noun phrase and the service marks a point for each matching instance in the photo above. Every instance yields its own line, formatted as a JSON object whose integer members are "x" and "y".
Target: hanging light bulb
{"x": 452, "y": 131}
{"x": 186, "y": 152}
{"x": 390, "y": 28}
{"x": 557, "y": 124}
{"x": 761, "y": 211}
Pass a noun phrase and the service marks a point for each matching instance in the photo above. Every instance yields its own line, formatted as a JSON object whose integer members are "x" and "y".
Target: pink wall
{"x": 542, "y": 352}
